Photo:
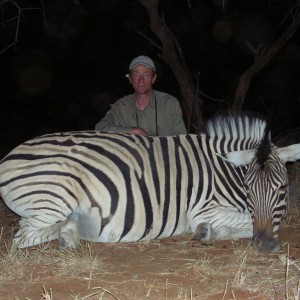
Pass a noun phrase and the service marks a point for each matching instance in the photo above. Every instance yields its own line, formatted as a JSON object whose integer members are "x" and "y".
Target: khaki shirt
{"x": 163, "y": 118}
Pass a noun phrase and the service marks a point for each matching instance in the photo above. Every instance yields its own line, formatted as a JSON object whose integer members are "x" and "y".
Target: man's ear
{"x": 154, "y": 78}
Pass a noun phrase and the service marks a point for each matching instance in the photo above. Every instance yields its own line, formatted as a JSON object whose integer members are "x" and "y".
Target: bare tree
{"x": 262, "y": 57}
{"x": 169, "y": 50}
{"x": 172, "y": 55}
{"x": 14, "y": 20}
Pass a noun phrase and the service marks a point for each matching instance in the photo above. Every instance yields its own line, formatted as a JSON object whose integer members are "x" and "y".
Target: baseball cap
{"x": 142, "y": 60}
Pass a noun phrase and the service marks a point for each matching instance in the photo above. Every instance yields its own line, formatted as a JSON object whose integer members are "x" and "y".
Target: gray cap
{"x": 142, "y": 60}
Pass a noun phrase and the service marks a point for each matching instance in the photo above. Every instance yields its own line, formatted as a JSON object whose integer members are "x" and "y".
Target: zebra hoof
{"x": 203, "y": 232}
{"x": 69, "y": 237}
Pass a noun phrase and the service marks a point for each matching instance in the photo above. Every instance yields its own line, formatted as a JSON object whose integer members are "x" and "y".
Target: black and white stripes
{"x": 112, "y": 187}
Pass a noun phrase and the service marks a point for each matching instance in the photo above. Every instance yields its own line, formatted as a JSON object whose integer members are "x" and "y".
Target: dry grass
{"x": 239, "y": 268}
{"x": 14, "y": 262}
{"x": 46, "y": 295}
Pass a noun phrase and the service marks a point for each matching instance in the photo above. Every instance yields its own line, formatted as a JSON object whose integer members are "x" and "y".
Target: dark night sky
{"x": 87, "y": 49}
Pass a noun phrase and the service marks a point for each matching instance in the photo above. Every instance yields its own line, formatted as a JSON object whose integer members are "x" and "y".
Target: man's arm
{"x": 178, "y": 126}
{"x": 109, "y": 123}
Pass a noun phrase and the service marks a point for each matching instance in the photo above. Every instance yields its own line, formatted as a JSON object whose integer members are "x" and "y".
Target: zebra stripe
{"x": 116, "y": 187}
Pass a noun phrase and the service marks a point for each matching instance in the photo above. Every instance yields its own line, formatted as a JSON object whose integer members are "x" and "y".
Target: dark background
{"x": 70, "y": 59}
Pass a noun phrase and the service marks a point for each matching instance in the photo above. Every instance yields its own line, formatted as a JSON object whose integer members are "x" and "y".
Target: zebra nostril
{"x": 265, "y": 243}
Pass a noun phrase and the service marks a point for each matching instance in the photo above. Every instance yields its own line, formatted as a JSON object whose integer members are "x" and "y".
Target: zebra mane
{"x": 243, "y": 126}
{"x": 263, "y": 150}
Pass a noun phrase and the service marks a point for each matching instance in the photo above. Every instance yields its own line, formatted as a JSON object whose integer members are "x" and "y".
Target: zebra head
{"x": 266, "y": 186}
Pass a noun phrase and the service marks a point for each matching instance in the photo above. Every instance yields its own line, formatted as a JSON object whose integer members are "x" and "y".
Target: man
{"x": 147, "y": 111}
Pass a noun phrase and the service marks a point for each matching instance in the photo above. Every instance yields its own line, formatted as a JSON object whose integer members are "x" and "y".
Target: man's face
{"x": 142, "y": 78}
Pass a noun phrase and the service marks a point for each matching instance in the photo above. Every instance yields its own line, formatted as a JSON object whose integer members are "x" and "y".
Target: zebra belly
{"x": 91, "y": 227}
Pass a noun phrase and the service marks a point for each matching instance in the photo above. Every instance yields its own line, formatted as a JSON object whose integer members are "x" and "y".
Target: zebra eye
{"x": 283, "y": 187}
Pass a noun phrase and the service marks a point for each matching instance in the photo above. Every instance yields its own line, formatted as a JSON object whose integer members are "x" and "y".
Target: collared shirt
{"x": 162, "y": 116}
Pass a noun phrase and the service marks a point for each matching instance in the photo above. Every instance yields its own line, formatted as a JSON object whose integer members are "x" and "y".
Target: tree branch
{"x": 259, "y": 63}
{"x": 17, "y": 18}
{"x": 150, "y": 40}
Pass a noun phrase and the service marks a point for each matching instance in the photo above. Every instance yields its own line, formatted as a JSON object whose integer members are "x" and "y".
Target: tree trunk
{"x": 173, "y": 56}
{"x": 261, "y": 60}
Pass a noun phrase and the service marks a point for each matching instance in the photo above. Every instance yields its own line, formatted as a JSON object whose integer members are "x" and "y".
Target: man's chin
{"x": 142, "y": 91}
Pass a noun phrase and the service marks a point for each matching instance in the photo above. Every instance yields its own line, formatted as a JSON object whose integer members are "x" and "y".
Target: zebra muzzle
{"x": 263, "y": 237}
{"x": 266, "y": 243}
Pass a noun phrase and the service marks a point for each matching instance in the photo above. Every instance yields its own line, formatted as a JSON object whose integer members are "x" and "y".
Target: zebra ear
{"x": 289, "y": 153}
{"x": 239, "y": 158}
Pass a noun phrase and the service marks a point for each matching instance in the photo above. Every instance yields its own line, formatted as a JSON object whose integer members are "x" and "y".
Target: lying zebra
{"x": 228, "y": 183}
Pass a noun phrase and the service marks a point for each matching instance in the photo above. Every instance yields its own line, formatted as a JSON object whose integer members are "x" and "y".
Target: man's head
{"x": 142, "y": 60}
{"x": 142, "y": 74}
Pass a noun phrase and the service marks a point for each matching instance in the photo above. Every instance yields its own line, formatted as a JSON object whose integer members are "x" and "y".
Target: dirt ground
{"x": 173, "y": 268}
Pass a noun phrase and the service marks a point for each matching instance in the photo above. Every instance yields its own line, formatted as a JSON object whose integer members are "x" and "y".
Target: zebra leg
{"x": 32, "y": 233}
{"x": 222, "y": 223}
{"x": 69, "y": 236}
{"x": 205, "y": 232}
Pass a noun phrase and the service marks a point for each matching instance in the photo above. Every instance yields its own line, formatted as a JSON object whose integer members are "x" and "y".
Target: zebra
{"x": 229, "y": 182}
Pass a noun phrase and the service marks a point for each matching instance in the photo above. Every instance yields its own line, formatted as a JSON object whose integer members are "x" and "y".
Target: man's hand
{"x": 139, "y": 131}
